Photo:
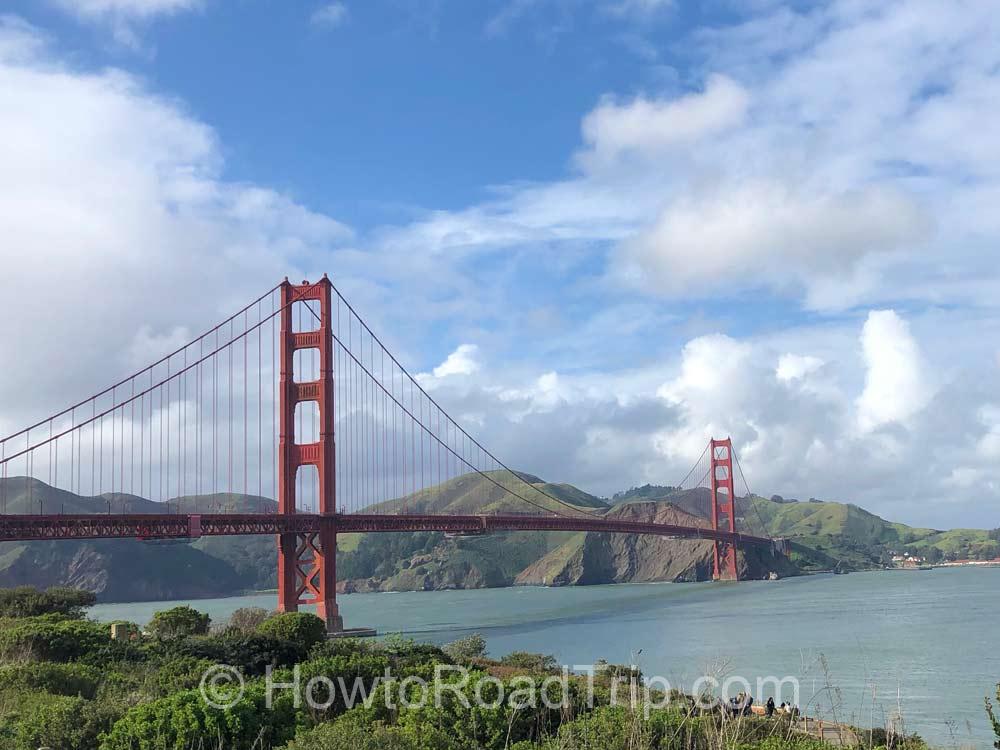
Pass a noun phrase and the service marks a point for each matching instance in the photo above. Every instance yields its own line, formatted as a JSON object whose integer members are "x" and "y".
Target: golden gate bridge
{"x": 296, "y": 397}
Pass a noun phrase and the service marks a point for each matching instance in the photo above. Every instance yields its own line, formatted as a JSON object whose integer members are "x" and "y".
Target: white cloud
{"x": 647, "y": 126}
{"x": 96, "y": 9}
{"x": 772, "y": 232}
{"x": 796, "y": 366}
{"x": 462, "y": 361}
{"x": 124, "y": 17}
{"x": 121, "y": 230}
{"x": 330, "y": 15}
{"x": 896, "y": 385}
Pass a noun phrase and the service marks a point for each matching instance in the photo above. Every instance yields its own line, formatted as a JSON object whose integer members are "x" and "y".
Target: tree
{"x": 466, "y": 649}
{"x": 179, "y": 622}
{"x": 301, "y": 628}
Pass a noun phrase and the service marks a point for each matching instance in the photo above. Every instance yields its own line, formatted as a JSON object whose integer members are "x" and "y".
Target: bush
{"x": 340, "y": 647}
{"x": 356, "y": 676}
{"x": 52, "y": 638}
{"x": 254, "y": 652}
{"x": 179, "y": 622}
{"x": 466, "y": 649}
{"x": 185, "y": 720}
{"x": 179, "y": 673}
{"x": 530, "y": 662}
{"x": 250, "y": 652}
{"x": 73, "y": 680}
{"x": 27, "y": 601}
{"x": 351, "y": 735}
{"x": 247, "y": 619}
{"x": 297, "y": 627}
{"x": 56, "y": 722}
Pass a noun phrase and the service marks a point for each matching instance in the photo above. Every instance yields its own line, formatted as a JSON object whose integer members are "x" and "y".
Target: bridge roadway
{"x": 191, "y": 526}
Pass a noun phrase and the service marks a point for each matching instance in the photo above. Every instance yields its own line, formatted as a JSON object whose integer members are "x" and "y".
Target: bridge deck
{"x": 180, "y": 526}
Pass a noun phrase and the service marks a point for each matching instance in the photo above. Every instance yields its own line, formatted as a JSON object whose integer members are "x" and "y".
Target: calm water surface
{"x": 860, "y": 645}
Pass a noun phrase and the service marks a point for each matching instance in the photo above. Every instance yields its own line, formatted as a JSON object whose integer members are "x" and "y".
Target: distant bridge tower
{"x": 723, "y": 508}
{"x": 307, "y": 572}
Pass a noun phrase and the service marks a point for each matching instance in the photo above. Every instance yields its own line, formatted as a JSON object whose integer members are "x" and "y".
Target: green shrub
{"x": 255, "y": 652}
{"x": 356, "y": 675}
{"x": 348, "y": 735}
{"x": 54, "y": 721}
{"x": 340, "y": 647}
{"x": 179, "y": 622}
{"x": 540, "y": 663}
{"x": 51, "y": 638}
{"x": 179, "y": 673}
{"x": 184, "y": 720}
{"x": 466, "y": 649}
{"x": 27, "y": 601}
{"x": 250, "y": 652}
{"x": 298, "y": 627}
{"x": 58, "y": 679}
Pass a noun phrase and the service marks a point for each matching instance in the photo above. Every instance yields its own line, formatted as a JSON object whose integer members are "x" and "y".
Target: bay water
{"x": 863, "y": 646}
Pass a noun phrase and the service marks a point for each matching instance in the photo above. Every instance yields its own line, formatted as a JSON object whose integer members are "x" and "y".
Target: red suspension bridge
{"x": 295, "y": 397}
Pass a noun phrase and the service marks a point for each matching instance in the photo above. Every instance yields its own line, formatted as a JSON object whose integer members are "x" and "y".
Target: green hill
{"x": 418, "y": 561}
{"x": 856, "y": 538}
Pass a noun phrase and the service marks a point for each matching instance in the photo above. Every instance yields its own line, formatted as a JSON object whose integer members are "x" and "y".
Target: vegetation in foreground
{"x": 66, "y": 684}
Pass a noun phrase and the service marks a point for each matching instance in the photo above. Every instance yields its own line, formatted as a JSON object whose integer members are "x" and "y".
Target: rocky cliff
{"x": 591, "y": 558}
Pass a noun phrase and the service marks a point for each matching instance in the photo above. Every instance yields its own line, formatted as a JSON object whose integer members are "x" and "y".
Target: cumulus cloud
{"x": 646, "y": 126}
{"x": 462, "y": 361}
{"x": 895, "y": 383}
{"x": 121, "y": 231}
{"x": 796, "y": 420}
{"x": 775, "y": 233}
{"x": 796, "y": 366}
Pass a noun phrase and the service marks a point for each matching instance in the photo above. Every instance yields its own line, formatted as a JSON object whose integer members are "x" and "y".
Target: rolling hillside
{"x": 392, "y": 562}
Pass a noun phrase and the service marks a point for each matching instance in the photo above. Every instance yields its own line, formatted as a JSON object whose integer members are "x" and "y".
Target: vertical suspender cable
{"x": 229, "y": 414}
{"x": 260, "y": 403}
{"x": 246, "y": 325}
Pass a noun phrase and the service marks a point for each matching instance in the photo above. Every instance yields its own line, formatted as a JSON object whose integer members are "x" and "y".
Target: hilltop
{"x": 823, "y": 535}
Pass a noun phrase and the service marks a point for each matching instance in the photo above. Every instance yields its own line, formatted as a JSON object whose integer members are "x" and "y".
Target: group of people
{"x": 742, "y": 705}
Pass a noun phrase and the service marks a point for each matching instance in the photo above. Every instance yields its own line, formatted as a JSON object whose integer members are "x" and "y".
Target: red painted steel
{"x": 723, "y": 509}
{"x": 307, "y": 571}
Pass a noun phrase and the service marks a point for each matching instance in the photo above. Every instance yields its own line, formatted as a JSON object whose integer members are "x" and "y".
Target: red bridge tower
{"x": 723, "y": 508}
{"x": 307, "y": 563}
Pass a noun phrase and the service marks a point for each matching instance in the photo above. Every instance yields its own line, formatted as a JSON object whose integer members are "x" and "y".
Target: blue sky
{"x": 626, "y": 224}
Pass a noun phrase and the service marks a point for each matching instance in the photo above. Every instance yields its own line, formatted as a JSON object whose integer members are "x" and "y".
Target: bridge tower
{"x": 307, "y": 566}
{"x": 723, "y": 508}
